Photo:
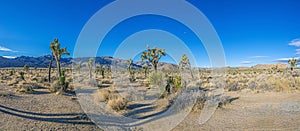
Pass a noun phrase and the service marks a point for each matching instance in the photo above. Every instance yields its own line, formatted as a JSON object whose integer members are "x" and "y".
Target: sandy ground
{"x": 263, "y": 111}
{"x": 252, "y": 111}
{"x": 41, "y": 111}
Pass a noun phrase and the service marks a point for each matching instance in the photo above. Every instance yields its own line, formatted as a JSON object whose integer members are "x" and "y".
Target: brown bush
{"x": 117, "y": 104}
{"x": 102, "y": 95}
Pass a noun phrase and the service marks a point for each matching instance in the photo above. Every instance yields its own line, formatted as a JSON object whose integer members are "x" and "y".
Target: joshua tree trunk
{"x": 58, "y": 68}
{"x": 191, "y": 73}
{"x": 90, "y": 73}
{"x": 49, "y": 69}
{"x": 155, "y": 66}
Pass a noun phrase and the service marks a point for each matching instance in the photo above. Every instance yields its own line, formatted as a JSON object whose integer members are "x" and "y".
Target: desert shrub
{"x": 114, "y": 100}
{"x": 199, "y": 103}
{"x": 41, "y": 79}
{"x": 156, "y": 78}
{"x": 12, "y": 82}
{"x": 26, "y": 88}
{"x": 264, "y": 86}
{"x": 54, "y": 87}
{"x": 102, "y": 95}
{"x": 22, "y": 75}
{"x": 177, "y": 82}
{"x": 233, "y": 86}
{"x": 61, "y": 84}
{"x": 117, "y": 104}
{"x": 170, "y": 80}
{"x": 107, "y": 82}
{"x": 34, "y": 79}
{"x": 11, "y": 73}
{"x": 252, "y": 85}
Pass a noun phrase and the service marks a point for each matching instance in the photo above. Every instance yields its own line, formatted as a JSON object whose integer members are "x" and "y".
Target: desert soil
{"x": 252, "y": 111}
{"x": 47, "y": 111}
{"x": 41, "y": 111}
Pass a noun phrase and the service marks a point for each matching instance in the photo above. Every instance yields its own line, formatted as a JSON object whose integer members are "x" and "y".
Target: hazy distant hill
{"x": 43, "y": 62}
{"x": 270, "y": 66}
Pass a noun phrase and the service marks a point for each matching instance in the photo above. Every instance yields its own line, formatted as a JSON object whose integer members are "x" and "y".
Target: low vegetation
{"x": 170, "y": 82}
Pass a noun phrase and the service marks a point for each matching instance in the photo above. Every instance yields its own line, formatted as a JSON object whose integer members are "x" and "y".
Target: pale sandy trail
{"x": 41, "y": 111}
{"x": 263, "y": 111}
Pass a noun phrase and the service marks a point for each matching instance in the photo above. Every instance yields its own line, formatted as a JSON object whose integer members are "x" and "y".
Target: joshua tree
{"x": 275, "y": 68}
{"x": 153, "y": 56}
{"x": 100, "y": 69}
{"x": 293, "y": 63}
{"x": 78, "y": 67}
{"x": 49, "y": 68}
{"x": 90, "y": 66}
{"x": 26, "y": 67}
{"x": 130, "y": 65}
{"x": 146, "y": 70}
{"x": 131, "y": 72}
{"x": 62, "y": 81}
{"x": 22, "y": 75}
{"x": 185, "y": 64}
{"x": 57, "y": 52}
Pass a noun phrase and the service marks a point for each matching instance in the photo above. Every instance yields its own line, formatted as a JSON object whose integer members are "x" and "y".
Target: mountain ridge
{"x": 43, "y": 62}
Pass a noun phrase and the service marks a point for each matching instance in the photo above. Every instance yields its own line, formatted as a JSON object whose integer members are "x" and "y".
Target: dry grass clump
{"x": 115, "y": 101}
{"x": 12, "y": 82}
{"x": 263, "y": 81}
{"x": 27, "y": 87}
{"x": 117, "y": 104}
{"x": 199, "y": 104}
{"x": 102, "y": 95}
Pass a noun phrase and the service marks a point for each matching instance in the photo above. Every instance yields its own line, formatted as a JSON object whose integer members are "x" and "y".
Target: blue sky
{"x": 251, "y": 31}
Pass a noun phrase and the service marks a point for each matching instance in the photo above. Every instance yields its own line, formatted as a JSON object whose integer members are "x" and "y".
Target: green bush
{"x": 156, "y": 78}
{"x": 177, "y": 82}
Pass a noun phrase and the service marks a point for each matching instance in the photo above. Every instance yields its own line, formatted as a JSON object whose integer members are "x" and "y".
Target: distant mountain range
{"x": 43, "y": 62}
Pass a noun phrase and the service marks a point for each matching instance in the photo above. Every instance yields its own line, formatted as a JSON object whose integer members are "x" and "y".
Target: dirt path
{"x": 264, "y": 111}
{"x": 41, "y": 111}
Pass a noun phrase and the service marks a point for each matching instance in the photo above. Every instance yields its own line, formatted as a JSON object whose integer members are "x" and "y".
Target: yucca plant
{"x": 26, "y": 67}
{"x": 90, "y": 66}
{"x": 11, "y": 72}
{"x": 62, "y": 81}
{"x": 153, "y": 56}
{"x": 78, "y": 67}
{"x": 185, "y": 64}
{"x": 102, "y": 69}
{"x": 293, "y": 63}
{"x": 22, "y": 75}
{"x": 57, "y": 52}
{"x": 146, "y": 70}
{"x": 131, "y": 71}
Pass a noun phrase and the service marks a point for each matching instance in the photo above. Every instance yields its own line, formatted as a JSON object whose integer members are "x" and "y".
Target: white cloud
{"x": 258, "y": 56}
{"x": 284, "y": 59}
{"x": 246, "y": 62}
{"x": 298, "y": 52}
{"x": 295, "y": 42}
{"x": 9, "y": 57}
{"x": 5, "y": 49}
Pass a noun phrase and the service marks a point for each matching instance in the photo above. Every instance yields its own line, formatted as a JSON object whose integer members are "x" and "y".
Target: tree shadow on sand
{"x": 68, "y": 118}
